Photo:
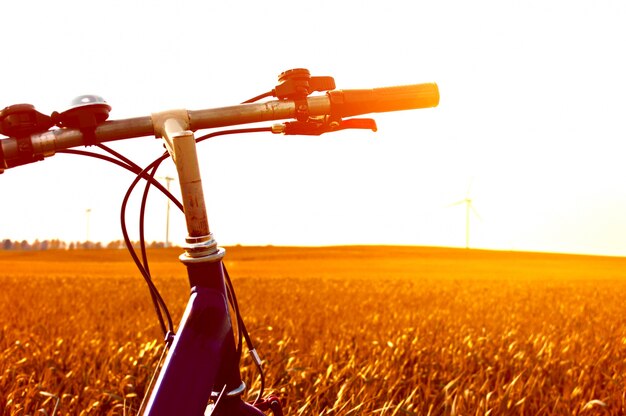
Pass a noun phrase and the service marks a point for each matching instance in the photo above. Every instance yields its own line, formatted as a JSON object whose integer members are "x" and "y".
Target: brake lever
{"x": 317, "y": 127}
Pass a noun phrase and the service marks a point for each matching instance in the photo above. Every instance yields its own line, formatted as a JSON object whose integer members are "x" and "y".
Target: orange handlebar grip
{"x": 345, "y": 103}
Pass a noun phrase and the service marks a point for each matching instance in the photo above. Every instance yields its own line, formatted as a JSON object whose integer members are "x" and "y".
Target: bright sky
{"x": 532, "y": 119}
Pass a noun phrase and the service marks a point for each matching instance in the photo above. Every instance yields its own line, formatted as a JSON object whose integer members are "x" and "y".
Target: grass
{"x": 341, "y": 330}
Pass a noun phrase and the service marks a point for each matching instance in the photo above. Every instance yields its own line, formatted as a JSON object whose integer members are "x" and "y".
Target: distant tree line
{"x": 56, "y": 244}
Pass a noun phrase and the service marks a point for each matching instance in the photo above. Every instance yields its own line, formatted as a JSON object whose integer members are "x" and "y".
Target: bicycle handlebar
{"x": 16, "y": 151}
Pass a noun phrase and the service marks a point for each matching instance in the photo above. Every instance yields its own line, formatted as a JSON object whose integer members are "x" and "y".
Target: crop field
{"x": 341, "y": 330}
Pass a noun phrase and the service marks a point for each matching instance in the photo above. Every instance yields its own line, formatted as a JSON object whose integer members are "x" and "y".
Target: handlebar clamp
{"x": 22, "y": 120}
{"x": 296, "y": 84}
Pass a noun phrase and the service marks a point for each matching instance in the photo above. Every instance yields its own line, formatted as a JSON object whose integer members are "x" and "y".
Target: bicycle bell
{"x": 84, "y": 112}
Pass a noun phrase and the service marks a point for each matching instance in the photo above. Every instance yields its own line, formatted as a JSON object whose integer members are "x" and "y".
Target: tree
{"x": 157, "y": 244}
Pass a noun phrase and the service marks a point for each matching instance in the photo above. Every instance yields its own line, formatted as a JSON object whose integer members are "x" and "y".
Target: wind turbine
{"x": 468, "y": 208}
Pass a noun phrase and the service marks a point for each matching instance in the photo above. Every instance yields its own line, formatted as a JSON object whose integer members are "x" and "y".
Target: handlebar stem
{"x": 181, "y": 145}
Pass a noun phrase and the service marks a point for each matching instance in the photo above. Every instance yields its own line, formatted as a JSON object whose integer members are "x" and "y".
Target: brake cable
{"x": 158, "y": 301}
{"x": 130, "y": 167}
{"x": 148, "y": 174}
{"x": 127, "y": 164}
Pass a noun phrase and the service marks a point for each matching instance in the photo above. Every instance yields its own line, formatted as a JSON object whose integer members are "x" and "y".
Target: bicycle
{"x": 200, "y": 374}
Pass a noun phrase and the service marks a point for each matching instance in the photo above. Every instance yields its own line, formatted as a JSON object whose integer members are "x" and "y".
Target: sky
{"x": 530, "y": 125}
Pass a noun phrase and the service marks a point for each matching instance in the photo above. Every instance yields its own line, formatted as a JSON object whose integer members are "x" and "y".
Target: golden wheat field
{"x": 341, "y": 330}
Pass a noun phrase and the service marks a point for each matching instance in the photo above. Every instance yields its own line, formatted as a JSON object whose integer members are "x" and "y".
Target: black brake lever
{"x": 317, "y": 127}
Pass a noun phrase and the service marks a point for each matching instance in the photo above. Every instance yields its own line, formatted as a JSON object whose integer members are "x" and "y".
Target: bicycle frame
{"x": 202, "y": 364}
{"x": 202, "y": 356}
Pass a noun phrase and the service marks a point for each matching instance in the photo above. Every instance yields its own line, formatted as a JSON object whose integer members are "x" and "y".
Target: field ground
{"x": 342, "y": 330}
